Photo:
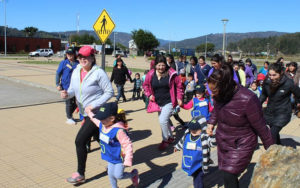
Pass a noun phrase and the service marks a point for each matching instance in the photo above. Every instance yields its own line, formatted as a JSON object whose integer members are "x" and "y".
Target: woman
{"x": 191, "y": 67}
{"x": 171, "y": 62}
{"x": 239, "y": 116}
{"x": 278, "y": 88}
{"x": 63, "y": 78}
{"x": 119, "y": 77}
{"x": 92, "y": 88}
{"x": 201, "y": 71}
{"x": 163, "y": 86}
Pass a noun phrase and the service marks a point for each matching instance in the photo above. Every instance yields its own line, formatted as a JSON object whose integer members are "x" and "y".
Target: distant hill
{"x": 124, "y": 38}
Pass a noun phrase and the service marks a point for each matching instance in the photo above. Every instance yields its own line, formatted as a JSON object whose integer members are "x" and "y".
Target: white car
{"x": 118, "y": 52}
{"x": 42, "y": 52}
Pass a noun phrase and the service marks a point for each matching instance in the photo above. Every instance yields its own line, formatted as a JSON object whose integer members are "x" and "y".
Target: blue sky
{"x": 166, "y": 19}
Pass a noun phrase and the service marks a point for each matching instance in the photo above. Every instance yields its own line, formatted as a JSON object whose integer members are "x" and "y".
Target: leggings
{"x": 87, "y": 130}
{"x": 70, "y": 107}
{"x": 115, "y": 172}
{"x": 230, "y": 180}
{"x": 275, "y": 134}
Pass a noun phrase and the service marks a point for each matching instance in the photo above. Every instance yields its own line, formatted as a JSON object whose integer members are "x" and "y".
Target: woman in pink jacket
{"x": 163, "y": 86}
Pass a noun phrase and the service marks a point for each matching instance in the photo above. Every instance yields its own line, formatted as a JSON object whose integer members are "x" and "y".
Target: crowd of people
{"x": 232, "y": 104}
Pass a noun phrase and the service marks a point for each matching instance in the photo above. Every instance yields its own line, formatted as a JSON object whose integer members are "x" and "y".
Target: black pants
{"x": 70, "y": 107}
{"x": 230, "y": 180}
{"x": 275, "y": 134}
{"x": 137, "y": 92}
{"x": 176, "y": 116}
{"x": 198, "y": 178}
{"x": 84, "y": 135}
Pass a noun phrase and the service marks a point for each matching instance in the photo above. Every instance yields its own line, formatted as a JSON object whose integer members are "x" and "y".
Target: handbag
{"x": 153, "y": 107}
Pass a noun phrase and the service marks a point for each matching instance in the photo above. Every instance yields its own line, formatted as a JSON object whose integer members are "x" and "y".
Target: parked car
{"x": 42, "y": 52}
{"x": 118, "y": 52}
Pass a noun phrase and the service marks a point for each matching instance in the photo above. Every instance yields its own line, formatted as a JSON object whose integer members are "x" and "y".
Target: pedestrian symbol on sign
{"x": 103, "y": 25}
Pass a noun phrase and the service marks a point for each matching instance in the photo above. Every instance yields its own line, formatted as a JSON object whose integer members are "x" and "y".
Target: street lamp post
{"x": 205, "y": 45}
{"x": 5, "y": 50}
{"x": 115, "y": 42}
{"x": 224, "y": 23}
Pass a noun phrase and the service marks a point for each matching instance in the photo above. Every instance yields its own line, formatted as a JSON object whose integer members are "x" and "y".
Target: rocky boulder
{"x": 278, "y": 167}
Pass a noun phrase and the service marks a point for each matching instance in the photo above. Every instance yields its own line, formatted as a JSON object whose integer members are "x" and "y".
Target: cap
{"x": 108, "y": 109}
{"x": 261, "y": 76}
{"x": 198, "y": 122}
{"x": 86, "y": 51}
{"x": 200, "y": 88}
{"x": 70, "y": 51}
{"x": 182, "y": 71}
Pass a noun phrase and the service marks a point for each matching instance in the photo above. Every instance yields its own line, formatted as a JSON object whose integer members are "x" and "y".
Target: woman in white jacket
{"x": 92, "y": 88}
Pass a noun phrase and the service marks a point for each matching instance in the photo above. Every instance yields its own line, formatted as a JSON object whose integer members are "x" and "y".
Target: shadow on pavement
{"x": 98, "y": 176}
{"x": 139, "y": 134}
{"x": 289, "y": 142}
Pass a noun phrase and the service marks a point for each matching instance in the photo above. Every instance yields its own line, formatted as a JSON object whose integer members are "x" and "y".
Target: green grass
{"x": 107, "y": 69}
{"x": 13, "y": 58}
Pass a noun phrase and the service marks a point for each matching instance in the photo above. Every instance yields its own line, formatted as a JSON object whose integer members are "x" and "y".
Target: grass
{"x": 13, "y": 58}
{"x": 107, "y": 69}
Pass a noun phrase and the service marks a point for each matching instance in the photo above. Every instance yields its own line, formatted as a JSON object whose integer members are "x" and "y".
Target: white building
{"x": 132, "y": 48}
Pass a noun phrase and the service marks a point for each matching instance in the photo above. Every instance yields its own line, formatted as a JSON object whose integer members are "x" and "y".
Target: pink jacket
{"x": 126, "y": 145}
{"x": 176, "y": 90}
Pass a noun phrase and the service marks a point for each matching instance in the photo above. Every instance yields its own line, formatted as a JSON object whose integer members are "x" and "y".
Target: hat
{"x": 182, "y": 71}
{"x": 70, "y": 51}
{"x": 200, "y": 88}
{"x": 198, "y": 122}
{"x": 86, "y": 51}
{"x": 108, "y": 109}
{"x": 261, "y": 76}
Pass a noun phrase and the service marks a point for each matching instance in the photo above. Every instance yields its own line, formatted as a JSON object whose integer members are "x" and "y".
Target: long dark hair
{"x": 161, "y": 59}
{"x": 218, "y": 58}
{"x": 223, "y": 80}
{"x": 276, "y": 67}
{"x": 119, "y": 60}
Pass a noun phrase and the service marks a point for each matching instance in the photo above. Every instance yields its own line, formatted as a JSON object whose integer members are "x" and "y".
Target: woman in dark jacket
{"x": 119, "y": 77}
{"x": 278, "y": 87}
{"x": 239, "y": 116}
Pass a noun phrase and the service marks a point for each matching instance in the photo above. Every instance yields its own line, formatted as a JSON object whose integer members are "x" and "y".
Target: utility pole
{"x": 115, "y": 43}
{"x": 268, "y": 50}
{"x": 78, "y": 17}
{"x": 5, "y": 47}
{"x": 224, "y": 24}
{"x": 205, "y": 45}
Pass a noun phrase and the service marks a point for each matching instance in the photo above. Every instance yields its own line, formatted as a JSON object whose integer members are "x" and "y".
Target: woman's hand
{"x": 88, "y": 109}
{"x": 64, "y": 94}
{"x": 179, "y": 102}
{"x": 151, "y": 98}
{"x": 58, "y": 88}
{"x": 210, "y": 129}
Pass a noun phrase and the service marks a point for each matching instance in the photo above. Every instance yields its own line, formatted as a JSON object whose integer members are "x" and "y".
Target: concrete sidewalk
{"x": 38, "y": 150}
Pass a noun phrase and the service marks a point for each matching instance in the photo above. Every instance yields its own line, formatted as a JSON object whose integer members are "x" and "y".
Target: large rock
{"x": 278, "y": 167}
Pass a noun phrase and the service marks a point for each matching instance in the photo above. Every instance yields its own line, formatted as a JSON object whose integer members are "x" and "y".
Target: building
{"x": 28, "y": 44}
{"x": 133, "y": 50}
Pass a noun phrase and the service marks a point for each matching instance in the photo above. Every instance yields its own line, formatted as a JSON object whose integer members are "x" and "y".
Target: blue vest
{"x": 200, "y": 108}
{"x": 65, "y": 70}
{"x": 192, "y": 155}
{"x": 110, "y": 146}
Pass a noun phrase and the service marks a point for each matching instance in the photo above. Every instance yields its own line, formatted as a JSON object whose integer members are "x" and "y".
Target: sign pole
{"x": 103, "y": 56}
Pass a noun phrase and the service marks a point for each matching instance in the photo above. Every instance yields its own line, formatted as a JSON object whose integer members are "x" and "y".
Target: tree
{"x": 30, "y": 31}
{"x": 83, "y": 39}
{"x": 201, "y": 47}
{"x": 144, "y": 40}
{"x": 121, "y": 46}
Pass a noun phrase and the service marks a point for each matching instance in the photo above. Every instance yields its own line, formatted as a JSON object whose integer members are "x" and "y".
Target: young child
{"x": 190, "y": 87}
{"x": 253, "y": 88}
{"x": 182, "y": 77}
{"x": 200, "y": 104}
{"x": 137, "y": 86}
{"x": 145, "y": 98}
{"x": 116, "y": 147}
{"x": 196, "y": 145}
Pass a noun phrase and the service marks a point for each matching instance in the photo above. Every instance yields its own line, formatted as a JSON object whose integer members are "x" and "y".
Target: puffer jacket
{"x": 279, "y": 109}
{"x": 176, "y": 90}
{"x": 239, "y": 121}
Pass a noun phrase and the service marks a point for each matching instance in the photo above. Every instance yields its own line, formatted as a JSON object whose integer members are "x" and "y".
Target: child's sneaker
{"x": 70, "y": 122}
{"x": 76, "y": 178}
{"x": 171, "y": 140}
{"x": 135, "y": 179}
{"x": 163, "y": 145}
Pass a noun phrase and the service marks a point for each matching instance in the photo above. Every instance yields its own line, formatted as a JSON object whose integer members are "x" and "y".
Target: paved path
{"x": 37, "y": 147}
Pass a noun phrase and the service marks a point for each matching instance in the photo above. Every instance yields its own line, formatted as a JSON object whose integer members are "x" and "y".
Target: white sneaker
{"x": 70, "y": 122}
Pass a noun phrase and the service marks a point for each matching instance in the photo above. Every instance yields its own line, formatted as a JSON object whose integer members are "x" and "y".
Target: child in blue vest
{"x": 200, "y": 104}
{"x": 116, "y": 147}
{"x": 196, "y": 144}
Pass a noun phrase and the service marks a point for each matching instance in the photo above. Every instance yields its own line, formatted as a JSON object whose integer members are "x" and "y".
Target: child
{"x": 116, "y": 147}
{"x": 137, "y": 86}
{"x": 253, "y": 88}
{"x": 196, "y": 150}
{"x": 190, "y": 87}
{"x": 182, "y": 77}
{"x": 200, "y": 105}
{"x": 145, "y": 98}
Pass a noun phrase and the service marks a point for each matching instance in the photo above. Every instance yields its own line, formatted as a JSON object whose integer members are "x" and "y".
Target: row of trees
{"x": 286, "y": 44}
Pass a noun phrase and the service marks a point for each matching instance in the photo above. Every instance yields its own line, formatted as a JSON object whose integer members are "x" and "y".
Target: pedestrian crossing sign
{"x": 104, "y": 26}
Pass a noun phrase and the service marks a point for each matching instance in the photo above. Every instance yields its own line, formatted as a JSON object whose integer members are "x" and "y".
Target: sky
{"x": 166, "y": 19}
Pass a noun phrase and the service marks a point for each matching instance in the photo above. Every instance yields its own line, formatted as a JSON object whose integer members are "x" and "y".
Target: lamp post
{"x": 224, "y": 24}
{"x": 115, "y": 42}
{"x": 205, "y": 45}
{"x": 5, "y": 48}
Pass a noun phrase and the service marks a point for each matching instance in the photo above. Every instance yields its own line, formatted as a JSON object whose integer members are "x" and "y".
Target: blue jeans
{"x": 165, "y": 122}
{"x": 198, "y": 178}
{"x": 120, "y": 92}
{"x": 115, "y": 172}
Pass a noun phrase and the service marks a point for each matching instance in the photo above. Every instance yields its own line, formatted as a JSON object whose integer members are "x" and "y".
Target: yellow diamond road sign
{"x": 104, "y": 26}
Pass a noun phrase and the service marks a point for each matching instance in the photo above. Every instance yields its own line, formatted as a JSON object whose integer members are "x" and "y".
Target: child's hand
{"x": 64, "y": 94}
{"x": 88, "y": 109}
{"x": 209, "y": 129}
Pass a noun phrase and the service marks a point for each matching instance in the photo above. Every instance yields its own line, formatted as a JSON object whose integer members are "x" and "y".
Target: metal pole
{"x": 5, "y": 48}
{"x": 169, "y": 47}
{"x": 205, "y": 45}
{"x": 114, "y": 43}
{"x": 103, "y": 56}
{"x": 224, "y": 23}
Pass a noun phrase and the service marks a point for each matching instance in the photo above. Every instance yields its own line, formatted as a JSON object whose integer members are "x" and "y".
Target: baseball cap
{"x": 197, "y": 123}
{"x": 70, "y": 51}
{"x": 108, "y": 109}
{"x": 182, "y": 71}
{"x": 200, "y": 88}
{"x": 86, "y": 51}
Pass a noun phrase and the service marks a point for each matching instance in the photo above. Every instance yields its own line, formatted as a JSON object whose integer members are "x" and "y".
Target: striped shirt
{"x": 206, "y": 141}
